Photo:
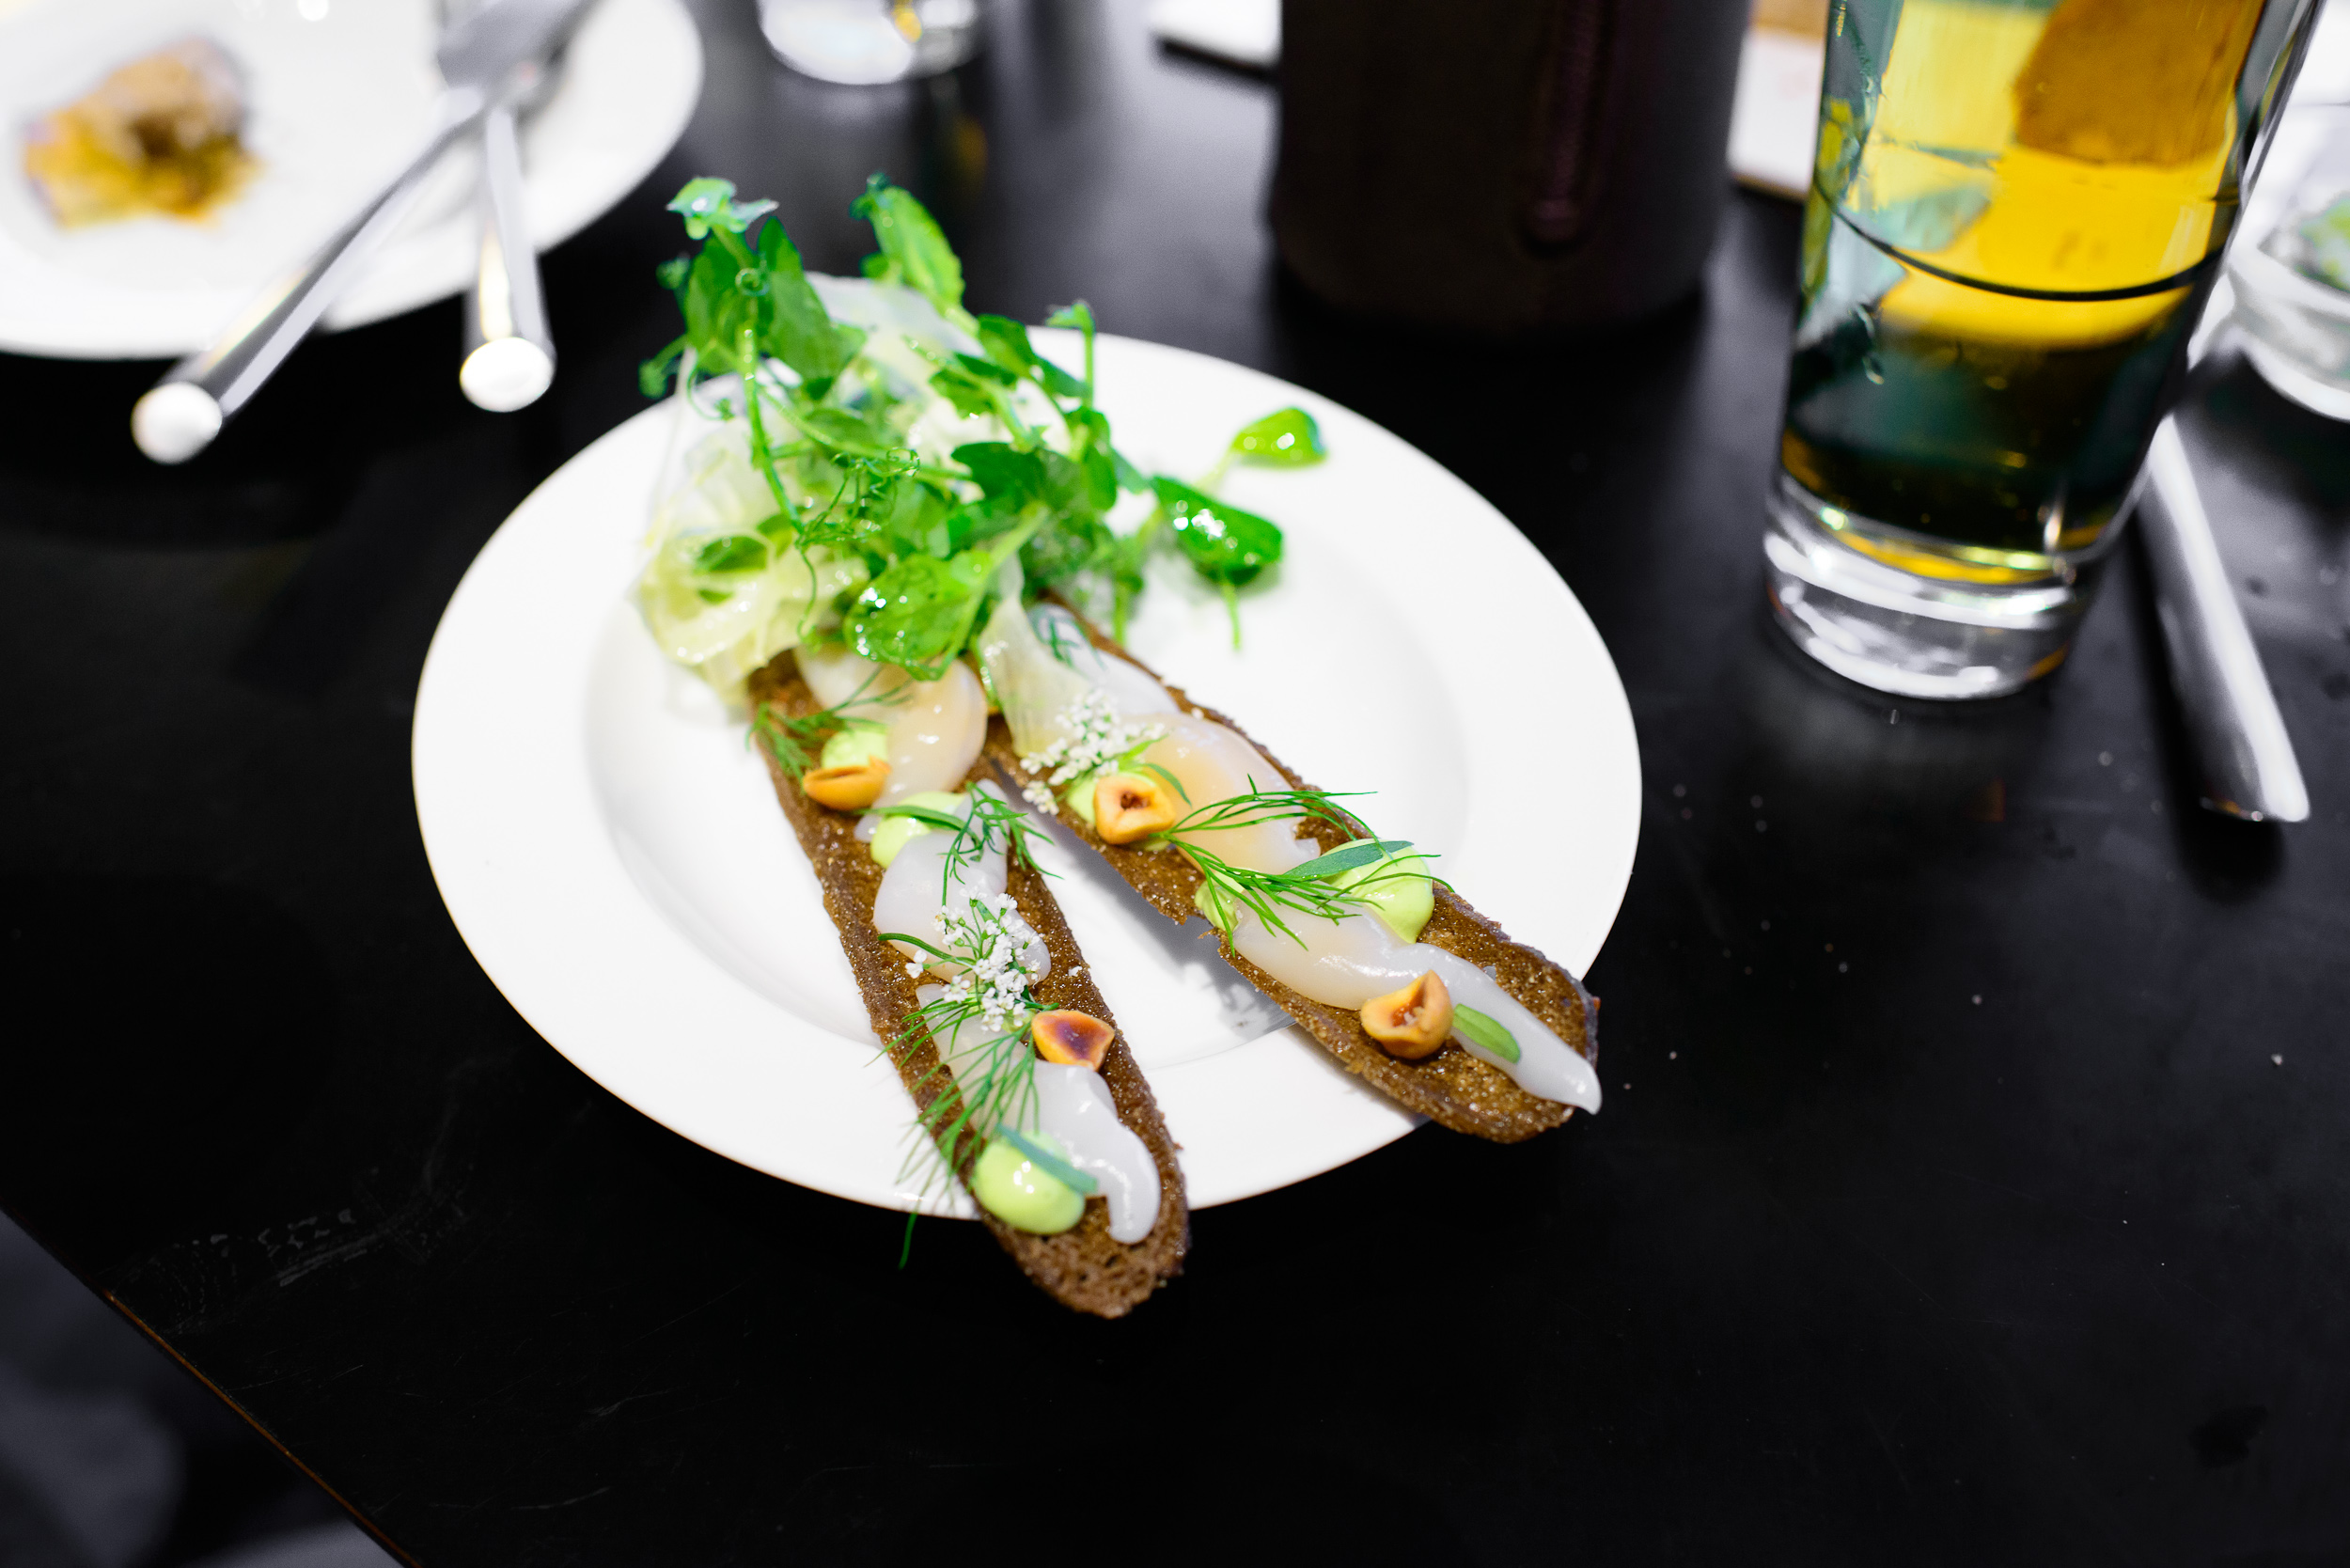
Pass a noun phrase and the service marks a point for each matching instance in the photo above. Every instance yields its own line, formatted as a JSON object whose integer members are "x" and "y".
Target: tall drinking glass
{"x": 2017, "y": 210}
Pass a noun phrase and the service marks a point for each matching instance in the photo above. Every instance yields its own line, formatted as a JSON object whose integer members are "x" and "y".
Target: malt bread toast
{"x": 1083, "y": 1267}
{"x": 1451, "y": 1087}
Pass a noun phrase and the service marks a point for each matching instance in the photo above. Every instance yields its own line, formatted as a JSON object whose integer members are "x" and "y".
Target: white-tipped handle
{"x": 171, "y": 423}
{"x": 509, "y": 352}
{"x": 2246, "y": 758}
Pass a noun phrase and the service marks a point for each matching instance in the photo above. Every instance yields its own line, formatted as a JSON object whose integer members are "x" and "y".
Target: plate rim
{"x": 733, "y": 997}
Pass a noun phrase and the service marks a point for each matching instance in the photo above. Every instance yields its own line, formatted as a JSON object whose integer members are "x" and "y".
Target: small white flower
{"x": 1002, "y": 954}
{"x": 1095, "y": 736}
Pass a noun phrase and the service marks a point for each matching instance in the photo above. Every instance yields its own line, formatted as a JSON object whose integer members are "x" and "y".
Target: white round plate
{"x": 613, "y": 853}
{"x": 338, "y": 94}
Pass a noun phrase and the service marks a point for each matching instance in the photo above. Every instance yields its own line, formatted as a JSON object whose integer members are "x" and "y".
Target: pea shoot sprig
{"x": 831, "y": 427}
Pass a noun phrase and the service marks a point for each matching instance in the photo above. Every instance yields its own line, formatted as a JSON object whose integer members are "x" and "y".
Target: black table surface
{"x": 1972, "y": 1183}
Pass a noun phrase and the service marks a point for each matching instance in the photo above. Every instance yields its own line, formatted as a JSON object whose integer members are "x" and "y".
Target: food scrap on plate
{"x": 159, "y": 135}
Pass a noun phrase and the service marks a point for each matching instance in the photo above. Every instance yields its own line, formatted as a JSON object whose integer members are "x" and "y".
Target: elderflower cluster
{"x": 1095, "y": 736}
{"x": 1002, "y": 954}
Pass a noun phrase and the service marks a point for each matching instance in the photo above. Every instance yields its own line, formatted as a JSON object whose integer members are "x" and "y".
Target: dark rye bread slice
{"x": 1451, "y": 1087}
{"x": 1083, "y": 1268}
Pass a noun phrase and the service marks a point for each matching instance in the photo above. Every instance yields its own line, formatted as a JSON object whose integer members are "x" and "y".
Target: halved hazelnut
{"x": 1411, "y": 1023}
{"x": 1072, "y": 1038}
{"x": 1128, "y": 806}
{"x": 850, "y": 789}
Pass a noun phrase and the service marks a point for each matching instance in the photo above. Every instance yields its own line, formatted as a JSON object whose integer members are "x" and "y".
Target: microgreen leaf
{"x": 652, "y": 376}
{"x": 913, "y": 250}
{"x": 987, "y": 370}
{"x": 918, "y": 613}
{"x": 1051, "y": 1164}
{"x": 1005, "y": 341}
{"x": 1288, "y": 438}
{"x": 709, "y": 204}
{"x": 1225, "y": 545}
{"x": 733, "y": 553}
{"x": 1001, "y": 469}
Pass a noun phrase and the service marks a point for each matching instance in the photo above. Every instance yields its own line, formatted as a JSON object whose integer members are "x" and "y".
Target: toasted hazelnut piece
{"x": 1072, "y": 1038}
{"x": 1128, "y": 806}
{"x": 850, "y": 789}
{"x": 1411, "y": 1023}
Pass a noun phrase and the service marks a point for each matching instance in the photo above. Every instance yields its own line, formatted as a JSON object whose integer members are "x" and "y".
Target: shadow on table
{"x": 112, "y": 1457}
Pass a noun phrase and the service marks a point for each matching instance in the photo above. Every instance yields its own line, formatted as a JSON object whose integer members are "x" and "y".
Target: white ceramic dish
{"x": 338, "y": 92}
{"x": 613, "y": 854}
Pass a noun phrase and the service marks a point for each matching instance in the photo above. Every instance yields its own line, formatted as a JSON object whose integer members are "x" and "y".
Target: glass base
{"x": 1904, "y": 632}
{"x": 868, "y": 42}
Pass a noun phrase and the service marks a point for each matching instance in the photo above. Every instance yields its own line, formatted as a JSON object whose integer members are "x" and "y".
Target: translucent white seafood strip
{"x": 1346, "y": 963}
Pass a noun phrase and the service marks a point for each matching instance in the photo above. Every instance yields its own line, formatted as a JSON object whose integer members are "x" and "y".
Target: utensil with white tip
{"x": 479, "y": 58}
{"x": 509, "y": 351}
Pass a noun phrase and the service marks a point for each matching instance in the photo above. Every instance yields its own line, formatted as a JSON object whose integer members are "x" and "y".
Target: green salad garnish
{"x": 872, "y": 482}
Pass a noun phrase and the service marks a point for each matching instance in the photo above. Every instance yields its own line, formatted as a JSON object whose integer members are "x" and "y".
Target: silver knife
{"x": 480, "y": 58}
{"x": 2248, "y": 768}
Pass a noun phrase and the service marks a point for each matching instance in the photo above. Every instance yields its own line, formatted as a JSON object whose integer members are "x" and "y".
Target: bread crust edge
{"x": 1083, "y": 1268}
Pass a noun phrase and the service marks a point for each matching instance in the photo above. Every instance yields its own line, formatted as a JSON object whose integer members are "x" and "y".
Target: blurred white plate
{"x": 336, "y": 92}
{"x": 613, "y": 854}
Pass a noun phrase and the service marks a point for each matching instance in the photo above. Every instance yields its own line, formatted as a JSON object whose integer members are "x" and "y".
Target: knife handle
{"x": 509, "y": 351}
{"x": 180, "y": 415}
{"x": 2248, "y": 768}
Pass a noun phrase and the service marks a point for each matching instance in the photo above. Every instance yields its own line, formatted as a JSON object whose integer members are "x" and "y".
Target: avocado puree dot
{"x": 1009, "y": 1186}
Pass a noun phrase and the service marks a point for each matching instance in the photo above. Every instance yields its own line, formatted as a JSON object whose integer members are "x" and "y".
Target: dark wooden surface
{"x": 1972, "y": 1184}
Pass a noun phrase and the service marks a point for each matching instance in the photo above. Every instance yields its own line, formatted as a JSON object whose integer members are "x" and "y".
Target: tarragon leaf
{"x": 1346, "y": 857}
{"x": 1051, "y": 1164}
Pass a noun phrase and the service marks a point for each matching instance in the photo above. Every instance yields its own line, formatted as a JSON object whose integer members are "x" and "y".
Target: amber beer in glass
{"x": 2017, "y": 214}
